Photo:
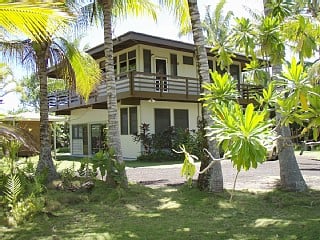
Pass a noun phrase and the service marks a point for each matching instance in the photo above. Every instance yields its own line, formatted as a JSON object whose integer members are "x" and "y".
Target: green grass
{"x": 129, "y": 163}
{"x": 172, "y": 213}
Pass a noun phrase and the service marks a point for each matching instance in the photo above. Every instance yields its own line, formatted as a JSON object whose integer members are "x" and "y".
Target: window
{"x": 97, "y": 137}
{"x": 181, "y": 118}
{"x": 147, "y": 60}
{"x": 77, "y": 132}
{"x": 124, "y": 121}
{"x": 187, "y": 60}
{"x": 132, "y": 64}
{"x": 174, "y": 64}
{"x": 127, "y": 61}
{"x": 210, "y": 63}
{"x": 123, "y": 62}
{"x": 162, "y": 120}
{"x": 115, "y": 65}
{"x": 234, "y": 72}
{"x": 133, "y": 117}
{"x": 102, "y": 65}
{"x": 128, "y": 120}
{"x": 219, "y": 70}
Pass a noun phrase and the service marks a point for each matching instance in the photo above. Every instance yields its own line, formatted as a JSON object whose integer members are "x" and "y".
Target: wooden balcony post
{"x": 131, "y": 82}
{"x": 187, "y": 87}
{"x": 161, "y": 85}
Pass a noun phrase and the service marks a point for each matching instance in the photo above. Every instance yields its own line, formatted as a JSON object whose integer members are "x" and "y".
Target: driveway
{"x": 265, "y": 177}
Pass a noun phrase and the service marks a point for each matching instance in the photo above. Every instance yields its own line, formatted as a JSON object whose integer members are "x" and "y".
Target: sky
{"x": 164, "y": 27}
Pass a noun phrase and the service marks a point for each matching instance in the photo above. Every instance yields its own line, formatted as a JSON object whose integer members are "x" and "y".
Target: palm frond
{"x": 80, "y": 68}
{"x": 37, "y": 22}
{"x": 180, "y": 10}
{"x": 13, "y": 189}
{"x": 123, "y": 8}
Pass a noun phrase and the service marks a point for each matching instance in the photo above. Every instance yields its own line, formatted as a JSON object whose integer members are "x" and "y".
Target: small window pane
{"x": 187, "y": 60}
{"x": 174, "y": 64}
{"x": 132, "y": 54}
{"x": 147, "y": 60}
{"x": 124, "y": 121}
{"x": 123, "y": 57}
{"x": 162, "y": 120}
{"x": 234, "y": 72}
{"x": 181, "y": 118}
{"x": 102, "y": 65}
{"x": 132, "y": 64}
{"x": 133, "y": 120}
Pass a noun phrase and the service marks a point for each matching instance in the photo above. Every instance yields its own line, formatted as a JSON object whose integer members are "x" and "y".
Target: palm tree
{"x": 212, "y": 180}
{"x": 34, "y": 21}
{"x": 109, "y": 10}
{"x": 76, "y": 66}
{"x": 216, "y": 25}
{"x": 290, "y": 174}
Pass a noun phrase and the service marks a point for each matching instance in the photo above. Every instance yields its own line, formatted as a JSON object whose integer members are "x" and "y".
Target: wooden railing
{"x": 143, "y": 85}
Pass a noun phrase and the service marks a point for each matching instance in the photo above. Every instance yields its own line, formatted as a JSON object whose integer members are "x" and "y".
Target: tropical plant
{"x": 188, "y": 168}
{"x": 74, "y": 65}
{"x": 36, "y": 21}
{"x": 211, "y": 180}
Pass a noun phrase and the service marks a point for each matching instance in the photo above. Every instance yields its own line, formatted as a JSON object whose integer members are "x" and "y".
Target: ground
{"x": 265, "y": 177}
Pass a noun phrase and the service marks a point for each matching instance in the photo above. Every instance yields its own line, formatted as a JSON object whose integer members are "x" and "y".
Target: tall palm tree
{"x": 109, "y": 10}
{"x": 212, "y": 180}
{"x": 290, "y": 174}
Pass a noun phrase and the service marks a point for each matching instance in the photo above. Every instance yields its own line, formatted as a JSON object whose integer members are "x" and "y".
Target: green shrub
{"x": 159, "y": 156}
{"x": 63, "y": 150}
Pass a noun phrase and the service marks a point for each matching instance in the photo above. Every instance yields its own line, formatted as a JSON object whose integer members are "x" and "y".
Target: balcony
{"x": 133, "y": 86}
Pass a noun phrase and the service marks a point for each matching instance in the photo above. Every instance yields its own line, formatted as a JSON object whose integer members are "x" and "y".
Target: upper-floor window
{"x": 147, "y": 60}
{"x": 102, "y": 65}
{"x": 235, "y": 71}
{"x": 127, "y": 61}
{"x": 174, "y": 64}
{"x": 187, "y": 60}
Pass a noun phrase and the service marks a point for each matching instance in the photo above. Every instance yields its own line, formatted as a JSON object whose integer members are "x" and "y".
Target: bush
{"x": 159, "y": 156}
{"x": 63, "y": 150}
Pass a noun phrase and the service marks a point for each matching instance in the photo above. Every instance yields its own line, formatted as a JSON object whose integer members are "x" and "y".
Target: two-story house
{"x": 157, "y": 83}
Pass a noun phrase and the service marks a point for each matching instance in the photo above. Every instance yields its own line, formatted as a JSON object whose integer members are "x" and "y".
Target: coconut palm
{"x": 76, "y": 66}
{"x": 110, "y": 10}
{"x": 36, "y": 21}
{"x": 212, "y": 180}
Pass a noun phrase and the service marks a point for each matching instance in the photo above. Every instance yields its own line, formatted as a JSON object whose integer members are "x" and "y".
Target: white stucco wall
{"x": 145, "y": 111}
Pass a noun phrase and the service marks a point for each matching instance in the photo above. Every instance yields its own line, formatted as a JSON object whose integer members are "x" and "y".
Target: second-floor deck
{"x": 133, "y": 86}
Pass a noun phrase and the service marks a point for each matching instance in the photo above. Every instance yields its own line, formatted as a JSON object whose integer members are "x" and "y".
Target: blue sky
{"x": 164, "y": 27}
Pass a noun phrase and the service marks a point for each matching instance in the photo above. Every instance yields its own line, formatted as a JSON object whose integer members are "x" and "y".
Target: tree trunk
{"x": 212, "y": 180}
{"x": 113, "y": 123}
{"x": 45, "y": 164}
{"x": 291, "y": 178}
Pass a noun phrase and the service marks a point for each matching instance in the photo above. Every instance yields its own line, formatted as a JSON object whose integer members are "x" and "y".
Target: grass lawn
{"x": 172, "y": 213}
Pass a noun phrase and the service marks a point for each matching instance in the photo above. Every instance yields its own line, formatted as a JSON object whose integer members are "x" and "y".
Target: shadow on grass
{"x": 173, "y": 213}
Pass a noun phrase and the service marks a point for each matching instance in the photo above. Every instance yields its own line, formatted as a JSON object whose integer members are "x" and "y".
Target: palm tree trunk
{"x": 291, "y": 178}
{"x": 212, "y": 180}
{"x": 113, "y": 123}
{"x": 45, "y": 164}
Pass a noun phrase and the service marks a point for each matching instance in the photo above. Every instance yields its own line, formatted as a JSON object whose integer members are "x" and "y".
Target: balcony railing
{"x": 143, "y": 86}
